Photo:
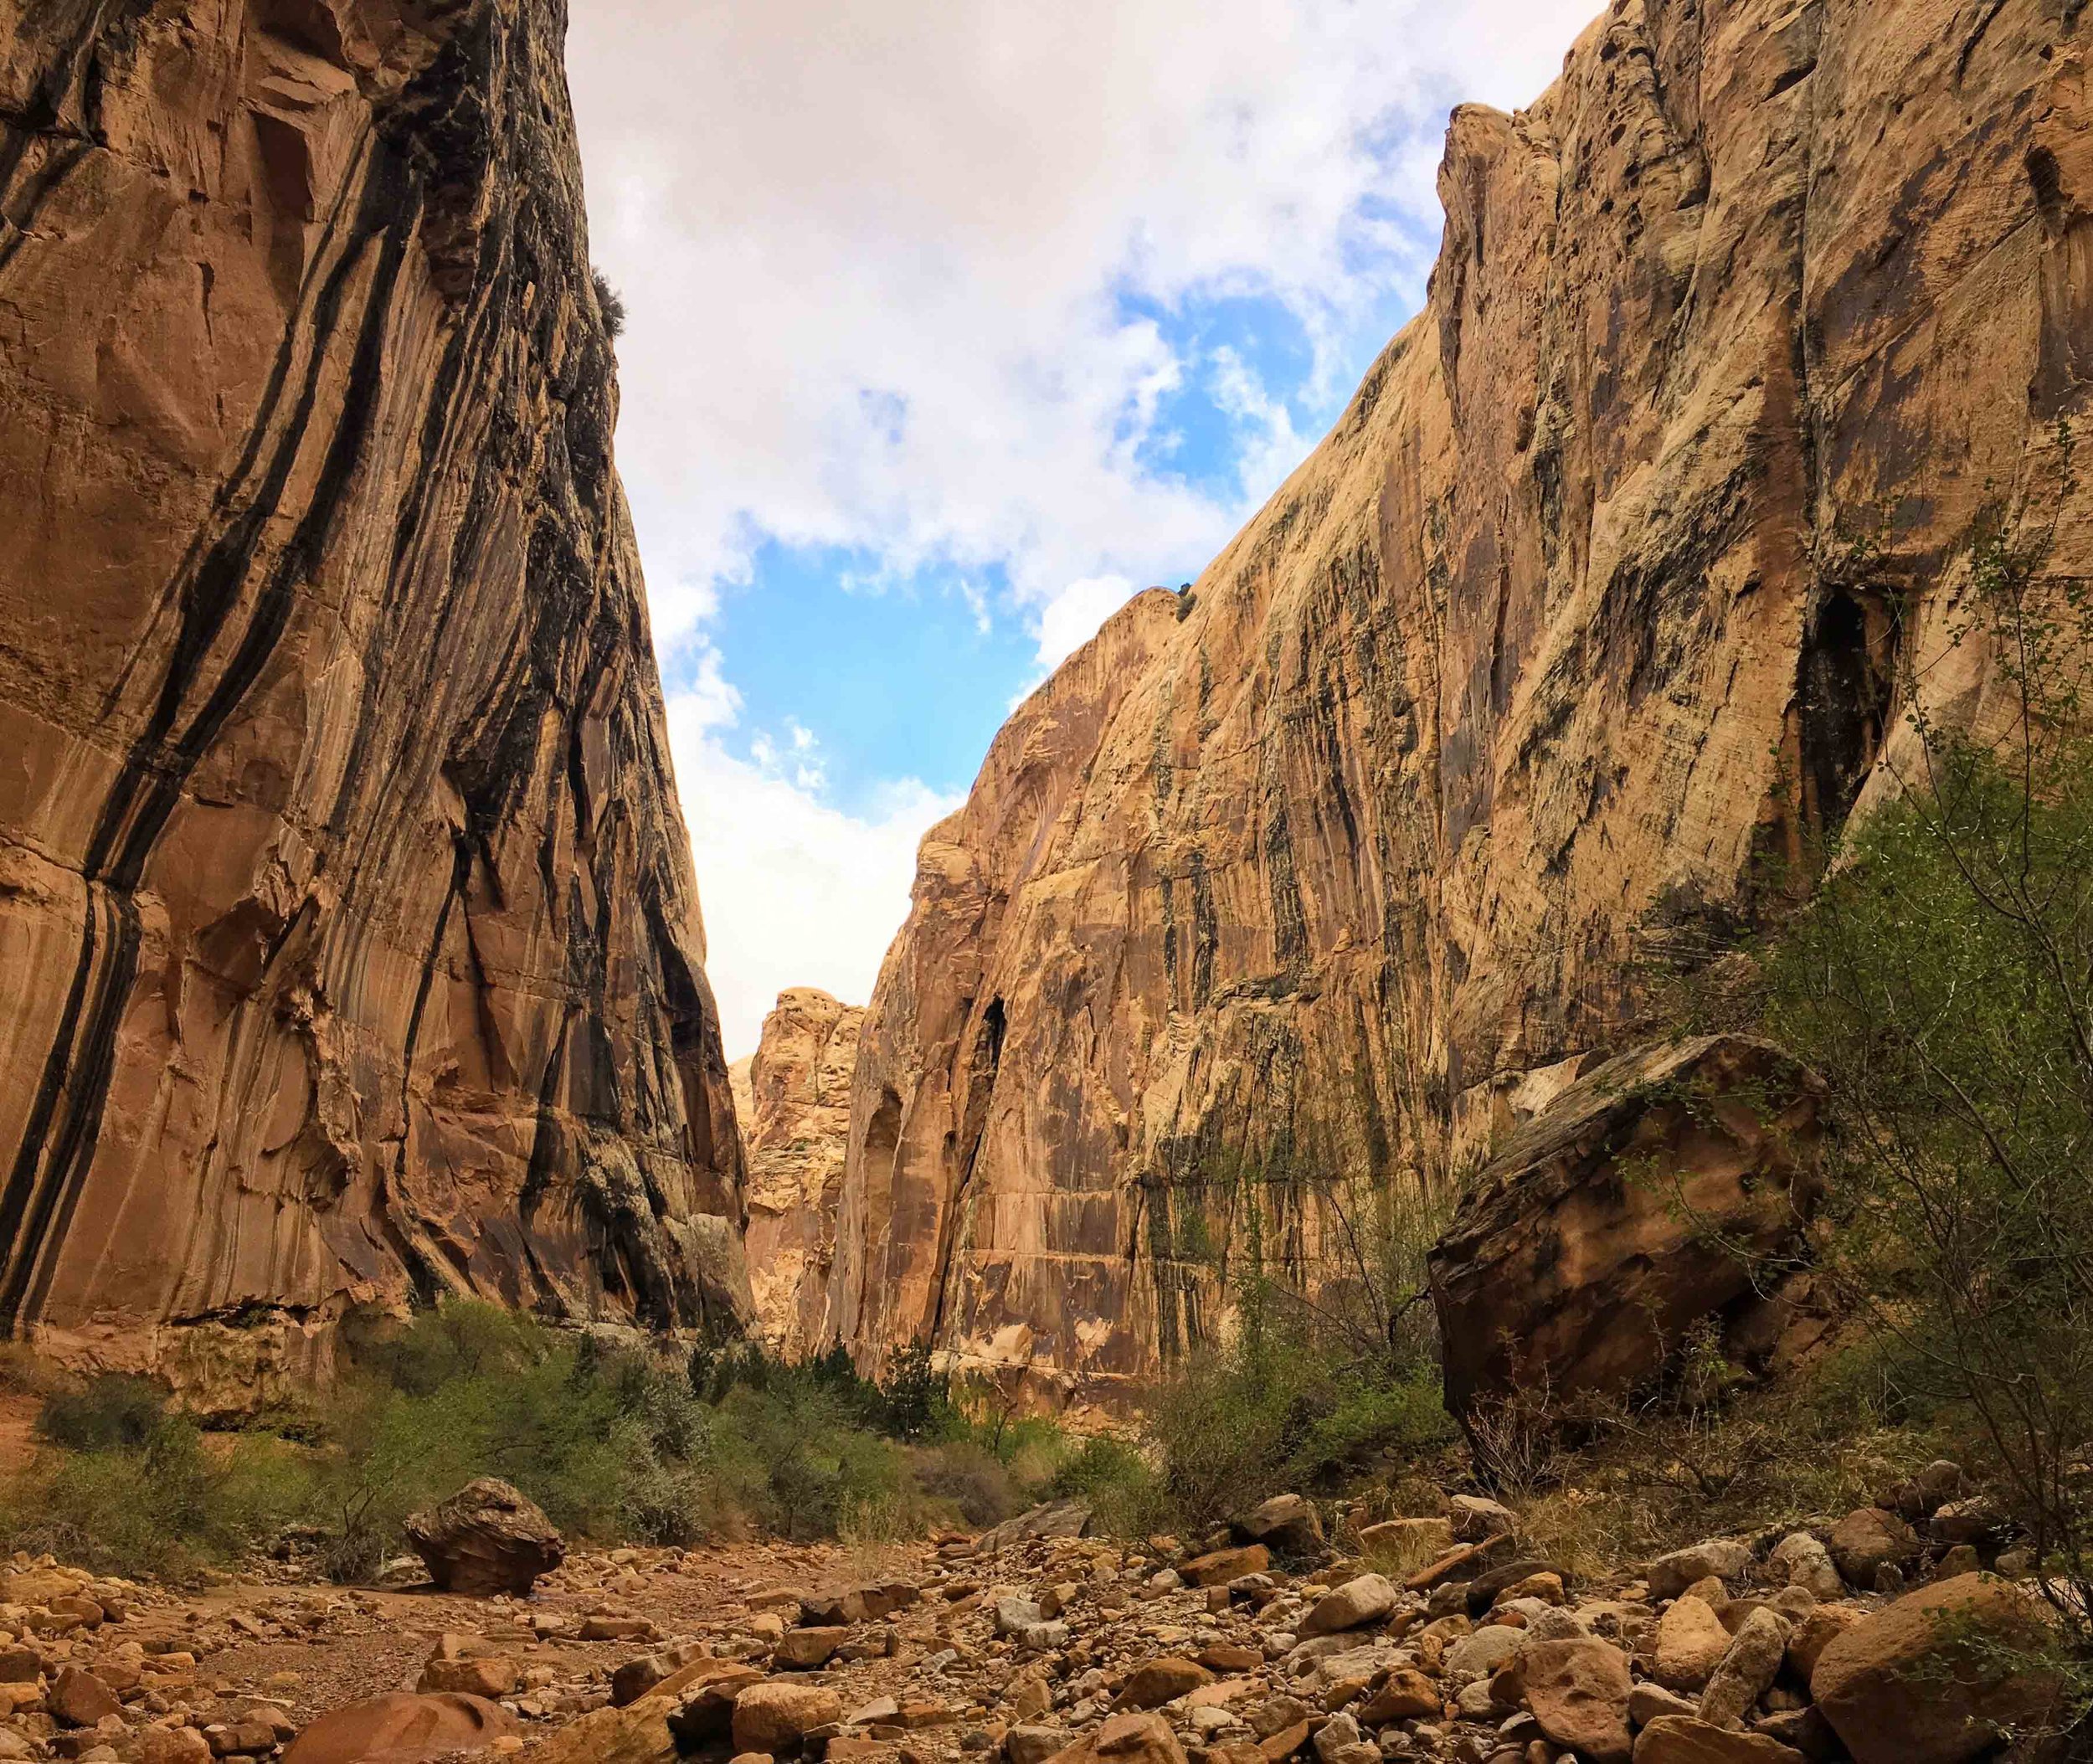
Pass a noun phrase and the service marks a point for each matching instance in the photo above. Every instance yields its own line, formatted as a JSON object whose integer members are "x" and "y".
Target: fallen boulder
{"x": 1364, "y": 1600}
{"x": 1577, "y": 1690}
{"x": 1628, "y": 1210}
{"x": 638, "y": 1734}
{"x": 1869, "y": 1539}
{"x": 1050, "y": 1518}
{"x": 489, "y": 1537}
{"x": 1674, "y": 1739}
{"x": 1158, "y": 1681}
{"x": 1690, "y": 1644}
{"x": 1286, "y": 1524}
{"x": 771, "y": 1717}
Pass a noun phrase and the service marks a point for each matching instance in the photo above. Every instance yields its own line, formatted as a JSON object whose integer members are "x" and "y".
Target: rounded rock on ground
{"x": 1674, "y": 1739}
{"x": 1939, "y": 1676}
{"x": 1719, "y": 1558}
{"x": 1578, "y": 1691}
{"x": 770, "y": 1717}
{"x": 160, "y": 1745}
{"x": 1800, "y": 1560}
{"x": 1747, "y": 1666}
{"x": 489, "y": 1537}
{"x": 1869, "y": 1539}
{"x": 1156, "y": 1682}
{"x": 1479, "y": 1654}
{"x": 1364, "y": 1599}
{"x": 401, "y": 1728}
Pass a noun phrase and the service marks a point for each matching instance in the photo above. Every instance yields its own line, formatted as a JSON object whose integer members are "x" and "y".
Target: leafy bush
{"x": 1123, "y": 1490}
{"x": 165, "y": 1504}
{"x": 617, "y": 1443}
{"x": 111, "y": 1410}
{"x": 1940, "y": 983}
{"x": 1283, "y": 1411}
{"x": 609, "y": 302}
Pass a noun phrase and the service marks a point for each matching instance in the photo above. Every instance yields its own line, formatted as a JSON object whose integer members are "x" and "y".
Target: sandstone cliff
{"x": 350, "y": 941}
{"x": 1560, "y": 654}
{"x": 793, "y": 1099}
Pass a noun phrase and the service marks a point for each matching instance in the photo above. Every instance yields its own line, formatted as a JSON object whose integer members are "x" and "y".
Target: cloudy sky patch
{"x": 950, "y": 324}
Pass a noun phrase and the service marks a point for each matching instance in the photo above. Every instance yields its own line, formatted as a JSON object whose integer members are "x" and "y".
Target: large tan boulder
{"x": 1217, "y": 1567}
{"x": 1288, "y": 1524}
{"x": 1938, "y": 1676}
{"x": 1630, "y": 1210}
{"x": 489, "y": 1537}
{"x": 1674, "y": 1739}
{"x": 402, "y": 1728}
{"x": 1156, "y": 1682}
{"x": 1577, "y": 1689}
{"x": 1130, "y": 1738}
{"x": 637, "y": 1734}
{"x": 1691, "y": 1642}
{"x": 1364, "y": 1599}
{"x": 772, "y": 1717}
{"x": 1746, "y": 1669}
{"x": 1869, "y": 1539}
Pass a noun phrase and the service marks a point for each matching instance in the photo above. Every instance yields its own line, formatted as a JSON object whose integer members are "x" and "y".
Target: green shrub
{"x": 1124, "y": 1493}
{"x": 111, "y": 1410}
{"x": 1284, "y": 1410}
{"x": 167, "y": 1505}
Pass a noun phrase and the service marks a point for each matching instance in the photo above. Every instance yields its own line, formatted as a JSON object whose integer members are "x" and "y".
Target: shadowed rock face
{"x": 1514, "y": 694}
{"x": 349, "y": 938}
{"x": 1671, "y": 1185}
{"x": 793, "y": 1099}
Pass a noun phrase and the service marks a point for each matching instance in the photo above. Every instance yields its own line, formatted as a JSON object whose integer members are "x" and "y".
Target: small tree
{"x": 609, "y": 302}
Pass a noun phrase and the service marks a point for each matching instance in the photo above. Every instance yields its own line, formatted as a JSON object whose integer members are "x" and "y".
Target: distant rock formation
{"x": 348, "y": 935}
{"x": 793, "y": 1099}
{"x": 1549, "y": 665}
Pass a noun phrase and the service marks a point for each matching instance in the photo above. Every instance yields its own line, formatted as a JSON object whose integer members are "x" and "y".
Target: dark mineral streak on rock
{"x": 345, "y": 909}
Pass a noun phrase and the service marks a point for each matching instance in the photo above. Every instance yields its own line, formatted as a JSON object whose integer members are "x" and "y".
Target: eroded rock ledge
{"x": 347, "y": 921}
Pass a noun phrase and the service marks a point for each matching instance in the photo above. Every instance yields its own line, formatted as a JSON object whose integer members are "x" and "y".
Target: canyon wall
{"x": 1542, "y": 677}
{"x": 349, "y": 942}
{"x": 792, "y": 1098}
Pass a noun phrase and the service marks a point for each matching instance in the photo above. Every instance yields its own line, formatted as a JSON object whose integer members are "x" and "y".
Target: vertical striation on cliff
{"x": 347, "y": 918}
{"x": 792, "y": 1098}
{"x": 1575, "y": 634}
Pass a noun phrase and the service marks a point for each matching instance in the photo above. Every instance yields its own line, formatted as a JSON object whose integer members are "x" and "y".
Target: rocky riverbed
{"x": 1888, "y": 1637}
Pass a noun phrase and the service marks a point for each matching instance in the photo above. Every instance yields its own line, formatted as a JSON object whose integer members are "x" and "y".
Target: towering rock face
{"x": 1537, "y": 678}
{"x": 793, "y": 1099}
{"x": 350, "y": 943}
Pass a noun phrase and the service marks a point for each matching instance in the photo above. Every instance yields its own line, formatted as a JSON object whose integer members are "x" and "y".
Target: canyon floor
{"x": 1034, "y": 1642}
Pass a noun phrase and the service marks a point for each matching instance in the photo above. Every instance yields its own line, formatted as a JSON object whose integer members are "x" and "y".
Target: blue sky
{"x": 908, "y": 673}
{"x": 952, "y": 324}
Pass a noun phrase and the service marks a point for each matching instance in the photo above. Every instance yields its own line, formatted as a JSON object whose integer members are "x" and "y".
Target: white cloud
{"x": 874, "y": 256}
{"x": 796, "y": 892}
{"x": 891, "y": 273}
{"x": 1270, "y": 448}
